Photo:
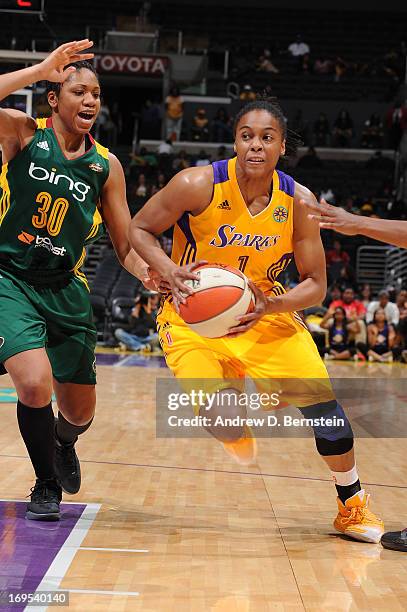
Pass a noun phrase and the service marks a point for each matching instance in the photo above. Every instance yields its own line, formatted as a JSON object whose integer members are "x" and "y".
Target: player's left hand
{"x": 153, "y": 281}
{"x": 262, "y": 304}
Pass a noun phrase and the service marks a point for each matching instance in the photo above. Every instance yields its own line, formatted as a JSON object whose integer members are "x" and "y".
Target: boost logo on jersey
{"x": 226, "y": 236}
{"x": 42, "y": 174}
{"x": 41, "y": 242}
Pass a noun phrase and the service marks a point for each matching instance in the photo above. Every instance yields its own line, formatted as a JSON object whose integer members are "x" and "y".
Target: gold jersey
{"x": 260, "y": 245}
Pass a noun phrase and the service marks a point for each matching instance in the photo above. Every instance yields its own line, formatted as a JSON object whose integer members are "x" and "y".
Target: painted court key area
{"x": 27, "y": 548}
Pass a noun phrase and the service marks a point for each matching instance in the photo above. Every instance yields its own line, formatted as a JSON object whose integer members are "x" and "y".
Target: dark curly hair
{"x": 56, "y": 87}
{"x": 272, "y": 106}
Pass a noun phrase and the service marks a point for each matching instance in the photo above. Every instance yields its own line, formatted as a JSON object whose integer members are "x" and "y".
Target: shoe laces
{"x": 44, "y": 490}
{"x": 359, "y": 514}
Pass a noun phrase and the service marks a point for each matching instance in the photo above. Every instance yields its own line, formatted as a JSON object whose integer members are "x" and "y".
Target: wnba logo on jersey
{"x": 42, "y": 174}
{"x": 227, "y": 236}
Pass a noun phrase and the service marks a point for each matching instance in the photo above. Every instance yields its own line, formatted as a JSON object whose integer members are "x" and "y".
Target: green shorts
{"x": 57, "y": 317}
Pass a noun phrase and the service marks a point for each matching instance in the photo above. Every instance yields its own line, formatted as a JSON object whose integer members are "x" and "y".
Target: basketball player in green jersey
{"x": 58, "y": 188}
{"x": 389, "y": 231}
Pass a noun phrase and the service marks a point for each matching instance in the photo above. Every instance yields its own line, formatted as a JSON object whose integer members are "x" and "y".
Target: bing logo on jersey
{"x": 280, "y": 214}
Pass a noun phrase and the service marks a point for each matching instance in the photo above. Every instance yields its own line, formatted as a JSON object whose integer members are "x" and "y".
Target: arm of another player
{"x": 16, "y": 126}
{"x": 116, "y": 214}
{"x": 189, "y": 190}
{"x": 335, "y": 218}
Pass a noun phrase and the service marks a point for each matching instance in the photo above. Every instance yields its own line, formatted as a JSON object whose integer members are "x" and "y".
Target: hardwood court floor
{"x": 182, "y": 527}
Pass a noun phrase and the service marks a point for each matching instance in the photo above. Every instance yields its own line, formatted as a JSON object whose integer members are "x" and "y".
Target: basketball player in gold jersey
{"x": 389, "y": 231}
{"x": 245, "y": 213}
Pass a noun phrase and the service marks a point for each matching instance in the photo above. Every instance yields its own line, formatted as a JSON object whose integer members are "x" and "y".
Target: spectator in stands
{"x": 298, "y": 48}
{"x": 393, "y": 65}
{"x": 247, "y": 95}
{"x": 347, "y": 278}
{"x": 140, "y": 332}
{"x": 141, "y": 187}
{"x": 390, "y": 309}
{"x": 341, "y": 332}
{"x": 401, "y": 302}
{"x": 150, "y": 120}
{"x": 306, "y": 64}
{"x": 322, "y": 131}
{"x": 336, "y": 260}
{"x": 372, "y": 134}
{"x": 366, "y": 295}
{"x": 366, "y": 209}
{"x": 323, "y": 66}
{"x": 343, "y": 129}
{"x": 337, "y": 254}
{"x": 380, "y": 337}
{"x": 395, "y": 119}
{"x": 354, "y": 308}
{"x": 340, "y": 68}
{"x": 401, "y": 299}
{"x": 181, "y": 161}
{"x": 310, "y": 159}
{"x": 333, "y": 294}
{"x": 174, "y": 112}
{"x": 221, "y": 126}
{"x": 200, "y": 126}
{"x": 203, "y": 159}
{"x": 264, "y": 63}
{"x": 165, "y": 147}
{"x": 145, "y": 160}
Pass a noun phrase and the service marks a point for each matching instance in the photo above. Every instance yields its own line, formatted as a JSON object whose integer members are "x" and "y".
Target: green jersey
{"x": 49, "y": 206}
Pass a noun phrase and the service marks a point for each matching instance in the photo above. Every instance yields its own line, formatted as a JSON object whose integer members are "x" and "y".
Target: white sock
{"x": 344, "y": 479}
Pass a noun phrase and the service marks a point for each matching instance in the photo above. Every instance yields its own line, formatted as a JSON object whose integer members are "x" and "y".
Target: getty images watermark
{"x": 206, "y": 403}
{"x": 187, "y": 408}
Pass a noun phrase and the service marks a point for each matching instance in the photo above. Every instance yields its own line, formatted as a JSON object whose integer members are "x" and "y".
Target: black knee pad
{"x": 332, "y": 430}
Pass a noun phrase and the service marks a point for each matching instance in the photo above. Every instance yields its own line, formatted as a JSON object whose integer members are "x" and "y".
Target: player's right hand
{"x": 176, "y": 276}
{"x": 52, "y": 68}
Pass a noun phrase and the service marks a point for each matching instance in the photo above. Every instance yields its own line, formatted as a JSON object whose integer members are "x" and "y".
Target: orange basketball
{"x": 220, "y": 295}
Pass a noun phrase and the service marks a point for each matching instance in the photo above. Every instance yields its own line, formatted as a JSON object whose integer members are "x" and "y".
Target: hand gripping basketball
{"x": 220, "y": 293}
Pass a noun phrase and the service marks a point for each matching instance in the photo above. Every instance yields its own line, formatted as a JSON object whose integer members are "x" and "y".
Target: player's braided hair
{"x": 272, "y": 106}
{"x": 56, "y": 87}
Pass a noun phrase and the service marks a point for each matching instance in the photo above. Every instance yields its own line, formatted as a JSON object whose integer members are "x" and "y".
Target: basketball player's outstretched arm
{"x": 335, "y": 218}
{"x": 190, "y": 190}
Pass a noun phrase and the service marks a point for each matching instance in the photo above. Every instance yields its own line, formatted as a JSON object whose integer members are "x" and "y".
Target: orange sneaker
{"x": 244, "y": 450}
{"x": 357, "y": 521}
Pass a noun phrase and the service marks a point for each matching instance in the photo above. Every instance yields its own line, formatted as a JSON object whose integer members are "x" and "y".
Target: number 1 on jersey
{"x": 243, "y": 259}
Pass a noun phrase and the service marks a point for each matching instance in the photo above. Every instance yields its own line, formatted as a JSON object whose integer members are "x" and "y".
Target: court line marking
{"x": 94, "y": 592}
{"x": 60, "y": 565}
{"x": 284, "y": 545}
{"x": 127, "y": 550}
{"x": 118, "y": 364}
{"x": 212, "y": 470}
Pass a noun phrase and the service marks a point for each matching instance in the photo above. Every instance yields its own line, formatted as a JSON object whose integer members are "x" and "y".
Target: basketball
{"x": 221, "y": 294}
